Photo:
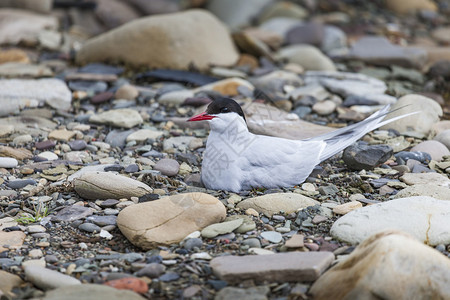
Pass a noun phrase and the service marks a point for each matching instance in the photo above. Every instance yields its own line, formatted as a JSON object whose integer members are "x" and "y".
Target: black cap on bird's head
{"x": 220, "y": 105}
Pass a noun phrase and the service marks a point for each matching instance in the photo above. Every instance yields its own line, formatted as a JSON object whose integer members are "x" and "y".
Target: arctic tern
{"x": 236, "y": 159}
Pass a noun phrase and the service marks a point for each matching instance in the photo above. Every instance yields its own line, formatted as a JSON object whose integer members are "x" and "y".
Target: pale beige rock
{"x": 61, "y": 135}
{"x": 214, "y": 230}
{"x": 6, "y": 130}
{"x": 90, "y": 292}
{"x": 170, "y": 219}
{"x": 106, "y": 185}
{"x": 413, "y": 6}
{"x": 274, "y": 203}
{"x": 345, "y": 208}
{"x": 123, "y": 117}
{"x": 435, "y": 148}
{"x": 425, "y": 218}
{"x": 435, "y": 191}
{"x": 440, "y": 127}
{"x": 21, "y": 25}
{"x": 426, "y": 178}
{"x": 47, "y": 279}
{"x": 17, "y": 153}
{"x": 14, "y": 239}
{"x": 13, "y": 69}
{"x": 126, "y": 91}
{"x": 307, "y": 56}
{"x": 172, "y": 41}
{"x": 295, "y": 241}
{"x": 279, "y": 267}
{"x": 430, "y": 112}
{"x": 143, "y": 134}
{"x": 9, "y": 281}
{"x": 387, "y": 265}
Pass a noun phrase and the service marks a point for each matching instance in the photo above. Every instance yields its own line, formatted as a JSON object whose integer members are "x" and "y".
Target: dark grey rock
{"x": 89, "y": 227}
{"x": 328, "y": 190}
{"x": 153, "y": 270}
{"x": 169, "y": 276}
{"x": 20, "y": 183}
{"x": 403, "y": 156}
{"x": 109, "y": 203}
{"x": 77, "y": 145}
{"x": 132, "y": 257}
{"x": 360, "y": 156}
{"x": 102, "y": 220}
{"x": 131, "y": 168}
{"x": 72, "y": 213}
{"x": 193, "y": 243}
{"x": 88, "y": 86}
{"x": 118, "y": 138}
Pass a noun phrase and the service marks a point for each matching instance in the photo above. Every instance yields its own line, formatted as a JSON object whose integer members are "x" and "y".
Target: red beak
{"x": 201, "y": 117}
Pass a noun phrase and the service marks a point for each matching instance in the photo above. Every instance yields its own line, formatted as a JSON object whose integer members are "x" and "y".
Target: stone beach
{"x": 100, "y": 184}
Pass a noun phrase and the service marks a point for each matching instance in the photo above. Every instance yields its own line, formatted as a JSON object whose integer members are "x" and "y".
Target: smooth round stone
{"x": 21, "y": 183}
{"x": 444, "y": 138}
{"x": 168, "y": 167}
{"x": 127, "y": 91}
{"x": 22, "y": 139}
{"x": 109, "y": 203}
{"x": 169, "y": 276}
{"x": 153, "y": 270}
{"x": 8, "y": 162}
{"x": 88, "y": 86}
{"x": 190, "y": 244}
{"x": 89, "y": 227}
{"x": 77, "y": 145}
{"x": 103, "y": 220}
{"x": 272, "y": 236}
{"x": 45, "y": 145}
{"x": 48, "y": 155}
{"x": 132, "y": 168}
{"x": 110, "y": 211}
{"x": 324, "y": 108}
{"x": 252, "y": 243}
{"x": 436, "y": 149}
{"x": 102, "y": 97}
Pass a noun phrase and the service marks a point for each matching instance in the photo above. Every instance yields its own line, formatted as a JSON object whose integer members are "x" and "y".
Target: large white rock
{"x": 172, "y": 41}
{"x": 429, "y": 113}
{"x": 16, "y": 94}
{"x": 425, "y": 218}
{"x": 388, "y": 265}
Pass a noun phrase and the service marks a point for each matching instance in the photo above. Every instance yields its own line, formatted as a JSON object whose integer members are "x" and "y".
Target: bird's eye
{"x": 224, "y": 110}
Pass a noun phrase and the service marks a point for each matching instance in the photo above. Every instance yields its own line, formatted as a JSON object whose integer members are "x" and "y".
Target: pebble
{"x": 47, "y": 279}
{"x": 435, "y": 149}
{"x": 168, "y": 167}
{"x": 345, "y": 208}
{"x": 360, "y": 156}
{"x": 8, "y": 162}
{"x": 89, "y": 227}
{"x": 47, "y": 155}
{"x": 272, "y": 236}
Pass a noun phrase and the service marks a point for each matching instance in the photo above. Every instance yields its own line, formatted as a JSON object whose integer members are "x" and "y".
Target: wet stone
{"x": 102, "y": 220}
{"x": 21, "y": 183}
{"x": 77, "y": 145}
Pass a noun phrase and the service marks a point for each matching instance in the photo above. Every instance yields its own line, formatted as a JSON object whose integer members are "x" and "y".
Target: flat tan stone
{"x": 274, "y": 203}
{"x": 12, "y": 239}
{"x": 170, "y": 219}
{"x": 173, "y": 41}
{"x": 296, "y": 241}
{"x": 61, "y": 135}
{"x": 426, "y": 178}
{"x": 107, "y": 185}
{"x": 279, "y": 267}
{"x": 17, "y": 153}
{"x": 387, "y": 265}
{"x": 9, "y": 281}
{"x": 347, "y": 207}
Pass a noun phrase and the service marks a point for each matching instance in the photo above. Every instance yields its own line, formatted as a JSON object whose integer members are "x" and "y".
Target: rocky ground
{"x": 100, "y": 188}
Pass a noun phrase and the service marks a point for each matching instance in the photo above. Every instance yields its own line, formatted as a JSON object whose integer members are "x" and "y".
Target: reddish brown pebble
{"x": 44, "y": 145}
{"x": 312, "y": 246}
{"x": 129, "y": 283}
{"x": 102, "y": 97}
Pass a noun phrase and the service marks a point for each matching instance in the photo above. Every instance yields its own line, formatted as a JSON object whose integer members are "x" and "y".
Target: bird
{"x": 236, "y": 159}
